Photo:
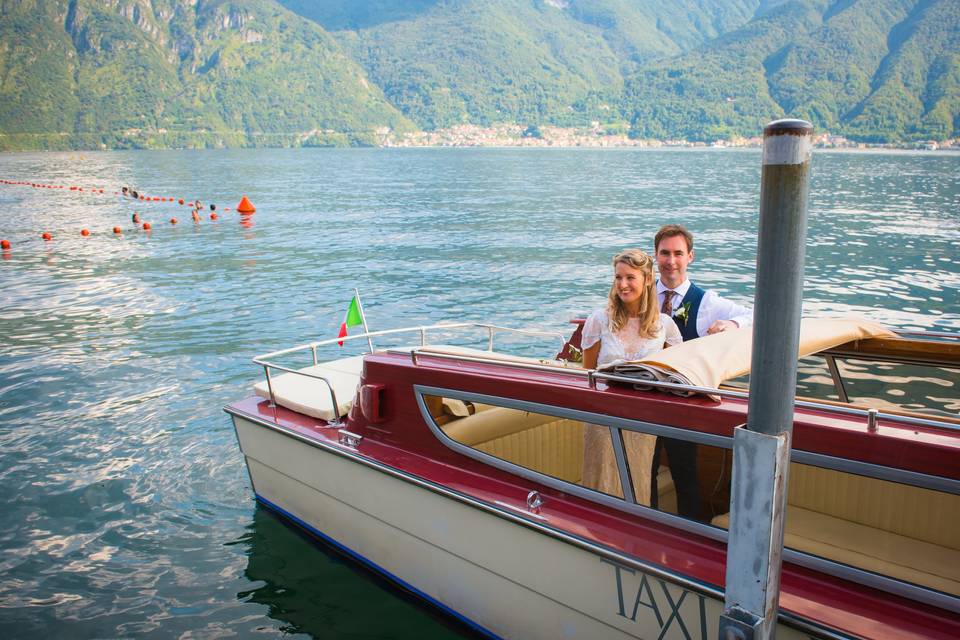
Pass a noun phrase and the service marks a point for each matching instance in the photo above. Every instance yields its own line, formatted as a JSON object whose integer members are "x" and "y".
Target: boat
{"x": 450, "y": 459}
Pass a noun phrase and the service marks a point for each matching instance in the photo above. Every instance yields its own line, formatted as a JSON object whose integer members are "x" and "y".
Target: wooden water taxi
{"x": 459, "y": 472}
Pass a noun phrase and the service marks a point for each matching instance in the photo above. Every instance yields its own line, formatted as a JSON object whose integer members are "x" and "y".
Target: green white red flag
{"x": 351, "y": 319}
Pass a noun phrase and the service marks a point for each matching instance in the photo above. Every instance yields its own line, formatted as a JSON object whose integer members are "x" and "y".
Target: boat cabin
{"x": 582, "y": 459}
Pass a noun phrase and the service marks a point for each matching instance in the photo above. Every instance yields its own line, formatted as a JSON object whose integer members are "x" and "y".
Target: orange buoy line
{"x": 245, "y": 207}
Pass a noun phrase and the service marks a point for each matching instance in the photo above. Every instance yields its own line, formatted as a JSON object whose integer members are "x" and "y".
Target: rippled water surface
{"x": 125, "y": 508}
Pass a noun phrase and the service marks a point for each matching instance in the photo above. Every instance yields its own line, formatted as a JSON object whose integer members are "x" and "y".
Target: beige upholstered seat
{"x": 904, "y": 532}
{"x": 311, "y": 396}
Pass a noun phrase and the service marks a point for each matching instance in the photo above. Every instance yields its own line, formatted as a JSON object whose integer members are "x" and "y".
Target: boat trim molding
{"x": 785, "y": 617}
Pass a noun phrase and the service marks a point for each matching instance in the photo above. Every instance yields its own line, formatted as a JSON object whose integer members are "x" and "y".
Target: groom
{"x": 697, "y": 312}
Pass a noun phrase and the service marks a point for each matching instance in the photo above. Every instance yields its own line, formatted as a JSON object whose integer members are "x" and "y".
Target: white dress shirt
{"x": 712, "y": 307}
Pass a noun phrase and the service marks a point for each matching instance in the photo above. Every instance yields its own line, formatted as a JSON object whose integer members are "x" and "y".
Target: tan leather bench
{"x": 904, "y": 532}
{"x": 547, "y": 444}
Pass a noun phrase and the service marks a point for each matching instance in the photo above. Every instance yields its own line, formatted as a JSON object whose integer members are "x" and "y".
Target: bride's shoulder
{"x": 598, "y": 314}
{"x": 597, "y": 321}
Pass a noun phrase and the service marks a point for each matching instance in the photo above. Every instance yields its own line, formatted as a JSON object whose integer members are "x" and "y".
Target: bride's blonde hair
{"x": 649, "y": 315}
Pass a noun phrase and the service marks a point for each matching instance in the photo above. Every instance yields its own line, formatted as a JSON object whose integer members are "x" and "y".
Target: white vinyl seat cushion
{"x": 311, "y": 396}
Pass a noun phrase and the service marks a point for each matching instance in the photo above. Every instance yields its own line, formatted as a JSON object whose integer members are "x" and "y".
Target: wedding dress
{"x": 599, "y": 462}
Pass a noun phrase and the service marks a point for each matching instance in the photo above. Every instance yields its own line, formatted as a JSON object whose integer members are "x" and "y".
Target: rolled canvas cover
{"x": 708, "y": 361}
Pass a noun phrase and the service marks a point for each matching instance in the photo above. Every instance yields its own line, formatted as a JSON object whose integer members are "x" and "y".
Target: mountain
{"x": 154, "y": 73}
{"x": 531, "y": 61}
{"x": 875, "y": 70}
{"x": 178, "y": 73}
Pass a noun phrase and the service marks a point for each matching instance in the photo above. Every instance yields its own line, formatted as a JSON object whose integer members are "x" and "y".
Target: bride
{"x": 630, "y": 327}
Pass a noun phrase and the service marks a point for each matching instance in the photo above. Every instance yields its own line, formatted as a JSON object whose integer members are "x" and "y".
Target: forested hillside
{"x": 154, "y": 73}
{"x": 81, "y": 73}
{"x": 874, "y": 70}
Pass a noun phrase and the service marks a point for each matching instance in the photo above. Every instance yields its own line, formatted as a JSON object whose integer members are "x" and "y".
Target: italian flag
{"x": 352, "y": 319}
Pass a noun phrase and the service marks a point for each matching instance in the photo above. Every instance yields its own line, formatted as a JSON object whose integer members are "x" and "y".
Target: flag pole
{"x": 363, "y": 319}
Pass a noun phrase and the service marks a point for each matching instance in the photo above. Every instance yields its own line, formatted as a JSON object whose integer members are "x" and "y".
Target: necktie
{"x": 667, "y": 307}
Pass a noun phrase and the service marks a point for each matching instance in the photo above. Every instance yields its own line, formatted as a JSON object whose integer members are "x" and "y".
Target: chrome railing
{"x": 491, "y": 329}
{"x": 870, "y": 415}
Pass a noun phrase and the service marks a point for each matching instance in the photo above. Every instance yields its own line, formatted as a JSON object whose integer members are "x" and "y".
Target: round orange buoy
{"x": 146, "y": 226}
{"x": 173, "y": 221}
{"x": 180, "y": 200}
{"x": 47, "y": 236}
{"x": 4, "y": 244}
{"x": 117, "y": 230}
{"x": 213, "y": 216}
{"x": 142, "y": 198}
{"x": 84, "y": 232}
{"x": 245, "y": 206}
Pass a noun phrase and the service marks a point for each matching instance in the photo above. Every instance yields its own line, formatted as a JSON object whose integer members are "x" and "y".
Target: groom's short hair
{"x": 669, "y": 231}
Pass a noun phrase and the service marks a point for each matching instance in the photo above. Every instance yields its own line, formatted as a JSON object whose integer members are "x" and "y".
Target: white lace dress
{"x": 626, "y": 344}
{"x": 599, "y": 462}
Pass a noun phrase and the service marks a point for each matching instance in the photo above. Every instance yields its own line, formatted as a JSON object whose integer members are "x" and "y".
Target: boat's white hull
{"x": 510, "y": 579}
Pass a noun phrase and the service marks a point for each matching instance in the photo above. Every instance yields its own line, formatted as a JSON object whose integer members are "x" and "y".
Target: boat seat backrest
{"x": 896, "y": 530}
{"x": 554, "y": 448}
{"x": 909, "y": 511}
{"x": 493, "y": 423}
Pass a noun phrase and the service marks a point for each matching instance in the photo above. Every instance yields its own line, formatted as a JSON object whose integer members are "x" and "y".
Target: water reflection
{"x": 314, "y": 591}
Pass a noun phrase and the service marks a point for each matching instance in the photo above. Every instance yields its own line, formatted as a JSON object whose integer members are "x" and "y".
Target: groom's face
{"x": 673, "y": 256}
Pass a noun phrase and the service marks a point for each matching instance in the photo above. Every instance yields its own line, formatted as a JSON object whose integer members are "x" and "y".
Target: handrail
{"x": 592, "y": 376}
{"x": 491, "y": 329}
{"x": 930, "y": 334}
{"x": 422, "y": 330}
{"x": 333, "y": 395}
{"x": 466, "y": 357}
{"x": 685, "y": 389}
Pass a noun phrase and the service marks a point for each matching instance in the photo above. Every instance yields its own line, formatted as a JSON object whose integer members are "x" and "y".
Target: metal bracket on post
{"x": 760, "y": 463}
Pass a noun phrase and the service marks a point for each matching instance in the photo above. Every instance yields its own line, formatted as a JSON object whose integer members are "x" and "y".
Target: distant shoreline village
{"x": 596, "y": 135}
{"x": 469, "y": 135}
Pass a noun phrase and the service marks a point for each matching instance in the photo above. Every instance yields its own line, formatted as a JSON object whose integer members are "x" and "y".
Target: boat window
{"x": 696, "y": 484}
{"x": 885, "y": 386}
{"x": 910, "y": 387}
{"x": 900, "y": 531}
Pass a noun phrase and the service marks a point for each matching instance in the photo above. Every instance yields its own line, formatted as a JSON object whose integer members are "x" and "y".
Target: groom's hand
{"x": 722, "y": 325}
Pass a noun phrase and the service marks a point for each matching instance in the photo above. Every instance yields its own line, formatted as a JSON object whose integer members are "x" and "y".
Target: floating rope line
{"x": 245, "y": 208}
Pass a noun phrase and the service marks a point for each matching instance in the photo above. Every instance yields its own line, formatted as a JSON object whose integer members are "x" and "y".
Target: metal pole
{"x": 363, "y": 318}
{"x": 761, "y": 451}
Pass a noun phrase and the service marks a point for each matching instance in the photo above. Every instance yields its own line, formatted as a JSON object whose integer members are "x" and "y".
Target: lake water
{"x": 125, "y": 507}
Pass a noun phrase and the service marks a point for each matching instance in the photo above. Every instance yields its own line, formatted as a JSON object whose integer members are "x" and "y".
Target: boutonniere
{"x": 682, "y": 313}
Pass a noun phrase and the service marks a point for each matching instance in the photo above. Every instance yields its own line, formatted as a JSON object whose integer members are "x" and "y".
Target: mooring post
{"x": 761, "y": 449}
